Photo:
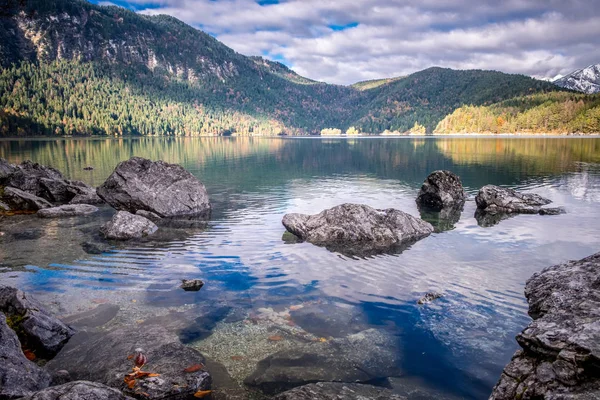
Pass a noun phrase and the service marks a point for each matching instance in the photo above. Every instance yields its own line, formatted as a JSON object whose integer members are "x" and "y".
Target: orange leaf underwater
{"x": 275, "y": 338}
{"x": 202, "y": 393}
{"x": 194, "y": 368}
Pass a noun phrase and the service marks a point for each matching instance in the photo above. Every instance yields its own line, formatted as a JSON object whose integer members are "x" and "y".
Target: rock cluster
{"x": 560, "y": 356}
{"x": 441, "y": 189}
{"x": 31, "y": 187}
{"x": 358, "y": 229}
{"x": 498, "y": 200}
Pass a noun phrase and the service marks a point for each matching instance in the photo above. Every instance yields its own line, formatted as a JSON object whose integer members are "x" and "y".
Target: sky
{"x": 346, "y": 41}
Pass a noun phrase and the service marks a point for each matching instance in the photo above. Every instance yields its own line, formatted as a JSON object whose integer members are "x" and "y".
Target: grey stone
{"x": 6, "y": 169}
{"x": 441, "y": 189}
{"x": 338, "y": 391}
{"x": 561, "y": 346}
{"x": 18, "y": 376}
{"x": 358, "y": 229}
{"x": 96, "y": 317}
{"x": 83, "y": 194}
{"x": 358, "y": 358}
{"x": 33, "y": 178}
{"x": 429, "y": 297}
{"x": 125, "y": 226}
{"x": 552, "y": 211}
{"x": 39, "y": 330}
{"x": 494, "y": 199}
{"x": 79, "y": 390}
{"x": 67, "y": 210}
{"x": 92, "y": 247}
{"x": 327, "y": 319}
{"x": 103, "y": 357}
{"x": 167, "y": 190}
{"x": 17, "y": 199}
{"x": 191, "y": 285}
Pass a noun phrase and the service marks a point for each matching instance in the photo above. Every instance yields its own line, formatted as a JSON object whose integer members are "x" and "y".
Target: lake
{"x": 454, "y": 347}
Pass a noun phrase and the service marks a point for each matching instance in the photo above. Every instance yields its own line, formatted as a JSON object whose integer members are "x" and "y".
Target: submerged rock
{"x": 68, "y": 210}
{"x": 494, "y": 199}
{"x": 96, "y": 317}
{"x": 561, "y": 347}
{"x": 552, "y": 211}
{"x": 37, "y": 329}
{"x": 191, "y": 285}
{"x": 338, "y": 391}
{"x": 17, "y": 199}
{"x": 18, "y": 376}
{"x": 325, "y": 319}
{"x": 125, "y": 226}
{"x": 79, "y": 390}
{"x": 441, "y": 189}
{"x": 167, "y": 190}
{"x": 357, "y": 229}
{"x": 363, "y": 357}
{"x": 107, "y": 357}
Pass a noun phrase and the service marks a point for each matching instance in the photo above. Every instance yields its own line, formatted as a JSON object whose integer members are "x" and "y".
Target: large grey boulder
{"x": 560, "y": 356}
{"x": 67, "y": 210}
{"x": 107, "y": 357}
{"x": 17, "y": 199}
{"x": 38, "y": 329}
{"x": 441, "y": 189}
{"x": 358, "y": 228}
{"x": 362, "y": 357}
{"x": 338, "y": 391}
{"x": 497, "y": 200}
{"x": 18, "y": 376}
{"x": 79, "y": 390}
{"x": 167, "y": 190}
{"x": 125, "y": 226}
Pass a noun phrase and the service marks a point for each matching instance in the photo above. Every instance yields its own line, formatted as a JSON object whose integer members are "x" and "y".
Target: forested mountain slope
{"x": 71, "y": 67}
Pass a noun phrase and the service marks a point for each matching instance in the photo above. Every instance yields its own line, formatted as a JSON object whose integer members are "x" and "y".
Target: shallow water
{"x": 457, "y": 345}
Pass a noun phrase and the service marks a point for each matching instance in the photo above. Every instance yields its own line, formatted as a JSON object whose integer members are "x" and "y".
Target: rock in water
{"x": 68, "y": 210}
{"x": 6, "y": 169}
{"x": 33, "y": 178}
{"x": 359, "y": 358}
{"x": 19, "y": 200}
{"x": 494, "y": 200}
{"x": 38, "y": 330}
{"x": 103, "y": 357}
{"x": 338, "y": 391}
{"x": 167, "y": 190}
{"x": 441, "y": 189}
{"x": 191, "y": 285}
{"x": 83, "y": 194}
{"x": 79, "y": 390}
{"x": 561, "y": 347}
{"x": 429, "y": 297}
{"x": 358, "y": 229}
{"x": 125, "y": 226}
{"x": 18, "y": 376}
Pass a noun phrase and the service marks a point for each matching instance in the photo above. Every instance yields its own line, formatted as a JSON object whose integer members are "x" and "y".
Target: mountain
{"x": 71, "y": 67}
{"x": 586, "y": 80}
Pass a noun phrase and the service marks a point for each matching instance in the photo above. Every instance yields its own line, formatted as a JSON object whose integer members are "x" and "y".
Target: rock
{"x": 6, "y": 169}
{"x": 83, "y": 194}
{"x": 561, "y": 346}
{"x": 191, "y": 285}
{"x": 88, "y": 168}
{"x": 444, "y": 219}
{"x": 125, "y": 226}
{"x": 552, "y": 211}
{"x": 33, "y": 178}
{"x": 96, "y": 317}
{"x": 224, "y": 387}
{"x": 19, "y": 200}
{"x": 149, "y": 215}
{"x": 358, "y": 229}
{"x": 329, "y": 319}
{"x": 103, "y": 357}
{"x": 4, "y": 206}
{"x": 167, "y": 190}
{"x": 429, "y": 297}
{"x": 18, "y": 376}
{"x": 338, "y": 391}
{"x": 441, "y": 189}
{"x": 79, "y": 390}
{"x": 37, "y": 329}
{"x": 67, "y": 210}
{"x": 91, "y": 247}
{"x": 362, "y": 357}
{"x": 494, "y": 199}
{"x": 486, "y": 220}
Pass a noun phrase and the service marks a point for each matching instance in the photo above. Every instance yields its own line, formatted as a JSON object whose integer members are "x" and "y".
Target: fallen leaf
{"x": 322, "y": 340}
{"x": 295, "y": 308}
{"x": 99, "y": 301}
{"x": 140, "y": 321}
{"x": 194, "y": 368}
{"x": 130, "y": 357}
{"x": 275, "y": 338}
{"x": 202, "y": 393}
{"x": 291, "y": 323}
{"x": 134, "y": 301}
{"x": 142, "y": 374}
{"x": 29, "y": 355}
{"x": 237, "y": 358}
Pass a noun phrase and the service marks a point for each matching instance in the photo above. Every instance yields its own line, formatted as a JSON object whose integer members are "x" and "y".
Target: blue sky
{"x": 344, "y": 41}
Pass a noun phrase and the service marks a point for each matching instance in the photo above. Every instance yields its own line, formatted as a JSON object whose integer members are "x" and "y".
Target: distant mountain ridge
{"x": 586, "y": 80}
{"x": 72, "y": 67}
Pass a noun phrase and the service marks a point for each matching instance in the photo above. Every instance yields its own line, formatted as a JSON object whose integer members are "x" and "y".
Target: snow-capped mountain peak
{"x": 585, "y": 80}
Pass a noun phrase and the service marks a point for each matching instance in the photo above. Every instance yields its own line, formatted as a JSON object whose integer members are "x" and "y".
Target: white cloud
{"x": 542, "y": 38}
